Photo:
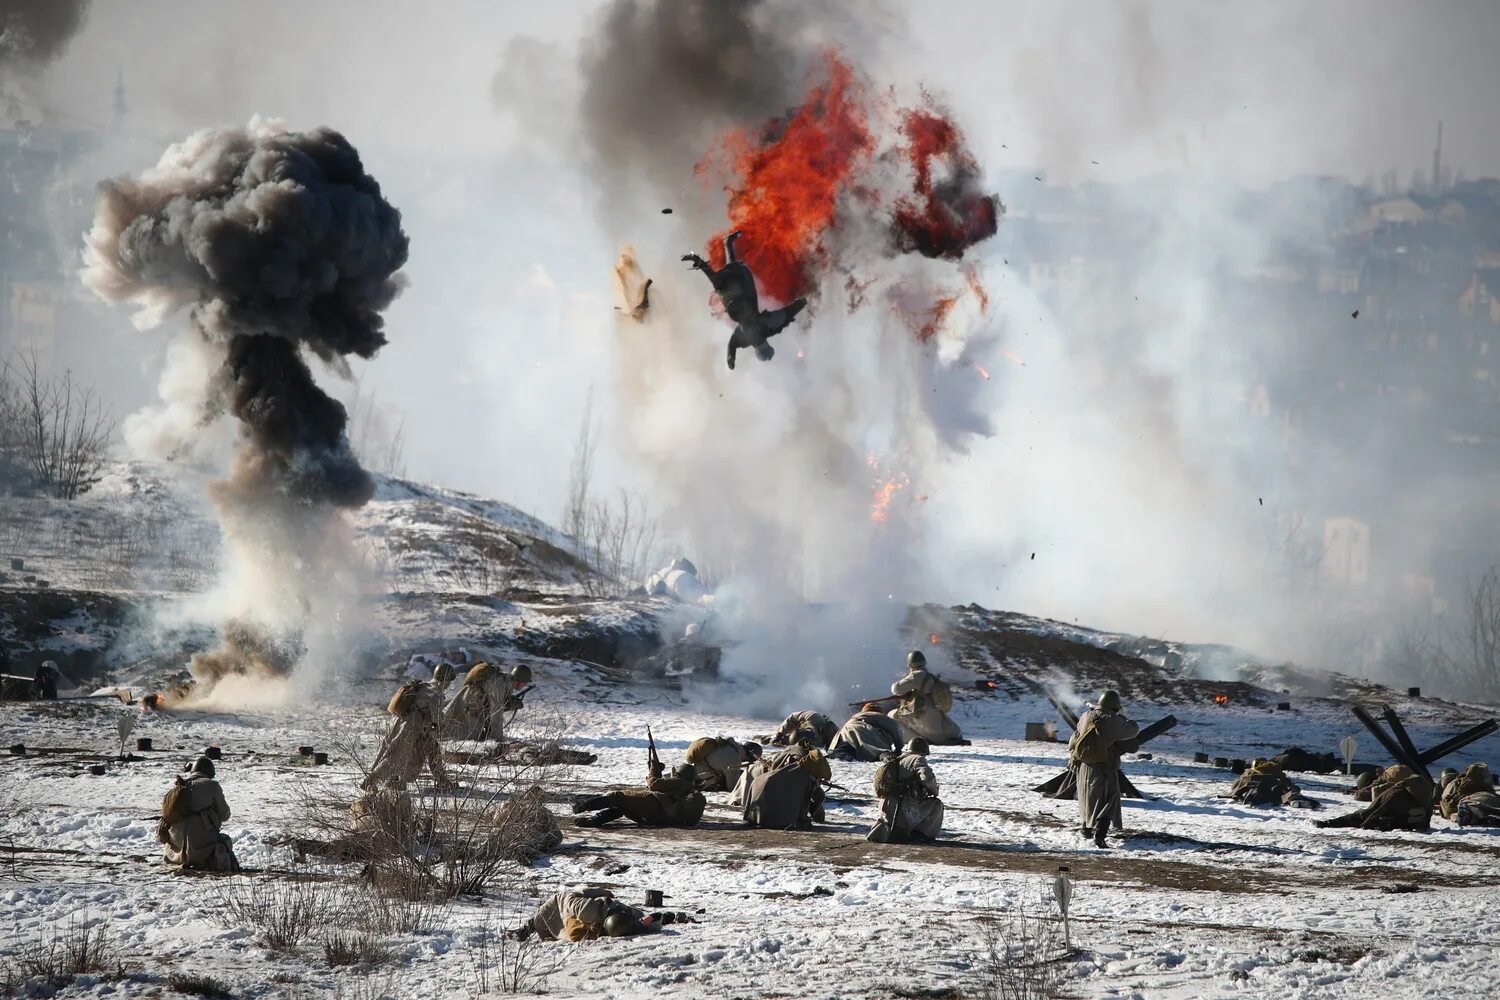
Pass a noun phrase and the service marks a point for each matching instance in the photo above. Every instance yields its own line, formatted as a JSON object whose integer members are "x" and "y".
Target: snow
{"x": 1204, "y": 898}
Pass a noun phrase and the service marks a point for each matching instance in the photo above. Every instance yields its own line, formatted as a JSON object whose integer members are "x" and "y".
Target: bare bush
{"x": 282, "y": 912}
{"x": 619, "y": 543}
{"x": 355, "y": 948}
{"x": 58, "y": 956}
{"x": 377, "y": 435}
{"x": 1021, "y": 958}
{"x": 1459, "y": 655}
{"x": 62, "y": 431}
{"x": 199, "y": 985}
{"x": 580, "y": 475}
{"x": 499, "y": 964}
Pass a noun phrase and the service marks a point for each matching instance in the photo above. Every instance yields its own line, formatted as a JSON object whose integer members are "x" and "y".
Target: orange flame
{"x": 1221, "y": 699}
{"x": 935, "y": 639}
{"x": 948, "y": 215}
{"x": 784, "y": 181}
{"x": 1012, "y": 358}
{"x": 981, "y": 369}
{"x": 886, "y": 488}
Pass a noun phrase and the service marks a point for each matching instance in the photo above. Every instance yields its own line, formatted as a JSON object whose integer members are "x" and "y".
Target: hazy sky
{"x": 507, "y": 320}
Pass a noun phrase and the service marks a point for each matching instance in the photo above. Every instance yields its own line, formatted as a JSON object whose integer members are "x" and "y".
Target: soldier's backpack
{"x": 942, "y": 694}
{"x": 174, "y": 804}
{"x": 815, "y": 764}
{"x": 1088, "y": 746}
{"x": 699, "y": 750}
{"x": 889, "y": 781}
{"x": 479, "y": 673}
{"x": 404, "y": 699}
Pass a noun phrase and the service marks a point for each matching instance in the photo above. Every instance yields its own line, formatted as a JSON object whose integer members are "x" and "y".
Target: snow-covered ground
{"x": 1202, "y": 898}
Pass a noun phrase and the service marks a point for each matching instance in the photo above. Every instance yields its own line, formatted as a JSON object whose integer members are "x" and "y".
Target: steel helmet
{"x": 915, "y": 659}
{"x": 619, "y": 924}
{"x": 520, "y": 673}
{"x": 1109, "y": 701}
{"x": 919, "y": 745}
{"x": 442, "y": 674}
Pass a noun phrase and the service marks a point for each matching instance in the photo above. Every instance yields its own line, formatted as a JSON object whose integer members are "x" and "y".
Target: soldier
{"x": 525, "y": 828}
{"x": 867, "y": 735}
{"x": 477, "y": 711}
{"x": 44, "y": 684}
{"x": 1472, "y": 793}
{"x": 813, "y": 727}
{"x": 665, "y": 801}
{"x": 1400, "y": 799}
{"x": 589, "y": 914}
{"x": 910, "y": 809}
{"x": 1103, "y": 734}
{"x": 926, "y": 700}
{"x": 736, "y": 287}
{"x": 1361, "y": 789}
{"x": 1265, "y": 783}
{"x": 192, "y": 814}
{"x": 412, "y": 740}
{"x": 785, "y": 791}
{"x": 719, "y": 761}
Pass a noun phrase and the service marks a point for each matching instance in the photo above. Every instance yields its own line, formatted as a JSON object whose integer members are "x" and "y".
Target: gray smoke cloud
{"x": 282, "y": 246}
{"x": 34, "y": 32}
{"x": 798, "y": 482}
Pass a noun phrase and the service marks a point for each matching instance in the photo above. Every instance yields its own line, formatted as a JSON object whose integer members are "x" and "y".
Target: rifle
{"x": 653, "y": 762}
{"x": 875, "y": 701}
{"x": 515, "y": 702}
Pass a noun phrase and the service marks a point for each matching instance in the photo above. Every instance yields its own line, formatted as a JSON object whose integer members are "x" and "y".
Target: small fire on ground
{"x": 1221, "y": 699}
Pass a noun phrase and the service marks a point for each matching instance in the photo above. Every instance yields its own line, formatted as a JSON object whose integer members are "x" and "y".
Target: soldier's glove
{"x": 513, "y": 703}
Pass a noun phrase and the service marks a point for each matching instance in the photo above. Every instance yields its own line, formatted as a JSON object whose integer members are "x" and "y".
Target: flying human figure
{"x": 736, "y": 287}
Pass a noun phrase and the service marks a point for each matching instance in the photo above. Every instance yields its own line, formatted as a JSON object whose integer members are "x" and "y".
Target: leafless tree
{"x": 59, "y": 430}
{"x": 581, "y": 475}
{"x": 1459, "y": 655}
{"x": 377, "y": 435}
{"x": 619, "y": 541}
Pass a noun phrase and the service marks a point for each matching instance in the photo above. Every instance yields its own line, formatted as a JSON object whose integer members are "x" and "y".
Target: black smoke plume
{"x": 283, "y": 247}
{"x": 34, "y": 32}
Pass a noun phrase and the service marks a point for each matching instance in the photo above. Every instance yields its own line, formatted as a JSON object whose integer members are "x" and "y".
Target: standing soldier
{"x": 665, "y": 801}
{"x": 192, "y": 814}
{"x": 477, "y": 712}
{"x": 719, "y": 761}
{"x": 412, "y": 740}
{"x": 1103, "y": 734}
{"x": 910, "y": 809}
{"x": 926, "y": 700}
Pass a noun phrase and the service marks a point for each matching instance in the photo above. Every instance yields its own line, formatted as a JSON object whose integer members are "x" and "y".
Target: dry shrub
{"x": 197, "y": 985}
{"x": 282, "y": 912}
{"x": 355, "y": 948}
{"x": 52, "y": 960}
{"x": 1022, "y": 958}
{"x": 499, "y": 964}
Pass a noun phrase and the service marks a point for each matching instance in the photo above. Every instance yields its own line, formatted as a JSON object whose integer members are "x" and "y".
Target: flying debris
{"x": 632, "y": 287}
{"x": 736, "y": 287}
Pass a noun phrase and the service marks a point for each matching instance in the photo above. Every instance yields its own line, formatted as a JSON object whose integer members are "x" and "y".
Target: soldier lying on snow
{"x": 1400, "y": 799}
{"x": 926, "y": 700}
{"x": 867, "y": 736}
{"x": 412, "y": 741}
{"x": 589, "y": 914}
{"x": 910, "y": 809}
{"x": 665, "y": 801}
{"x": 785, "y": 791}
{"x": 719, "y": 760}
{"x": 1264, "y": 783}
{"x": 1470, "y": 798}
{"x": 803, "y": 727}
{"x": 192, "y": 814}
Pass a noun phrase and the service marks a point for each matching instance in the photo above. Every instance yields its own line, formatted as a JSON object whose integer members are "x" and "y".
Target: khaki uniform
{"x": 665, "y": 801}
{"x": 410, "y": 744}
{"x": 1099, "y": 784}
{"x": 1400, "y": 799}
{"x": 718, "y": 763}
{"x": 477, "y": 711}
{"x": 576, "y": 916}
{"x": 780, "y": 793}
{"x": 1267, "y": 784}
{"x": 818, "y": 726}
{"x": 195, "y": 841}
{"x": 919, "y": 715}
{"x": 866, "y": 736}
{"x": 915, "y": 809}
{"x": 1475, "y": 779}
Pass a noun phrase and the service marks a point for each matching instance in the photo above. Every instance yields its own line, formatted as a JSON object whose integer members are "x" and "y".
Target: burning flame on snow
{"x": 935, "y": 639}
{"x": 1221, "y": 699}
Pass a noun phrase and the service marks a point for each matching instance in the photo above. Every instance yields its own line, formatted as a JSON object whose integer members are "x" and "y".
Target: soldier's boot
{"x": 521, "y": 933}
{"x": 600, "y": 818}
{"x": 591, "y": 803}
{"x": 1100, "y": 833}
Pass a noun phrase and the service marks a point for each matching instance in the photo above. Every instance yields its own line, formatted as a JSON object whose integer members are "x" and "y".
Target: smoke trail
{"x": 34, "y": 32}
{"x": 283, "y": 246}
{"x": 804, "y": 478}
